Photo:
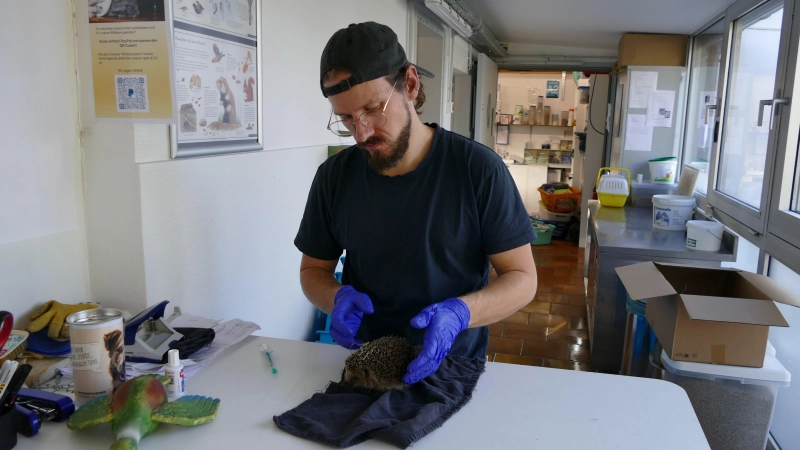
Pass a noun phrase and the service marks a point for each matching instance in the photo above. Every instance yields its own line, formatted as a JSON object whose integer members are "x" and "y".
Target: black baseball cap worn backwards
{"x": 368, "y": 51}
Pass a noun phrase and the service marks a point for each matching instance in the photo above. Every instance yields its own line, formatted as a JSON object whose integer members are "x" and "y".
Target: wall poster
{"x": 131, "y": 65}
{"x": 217, "y": 77}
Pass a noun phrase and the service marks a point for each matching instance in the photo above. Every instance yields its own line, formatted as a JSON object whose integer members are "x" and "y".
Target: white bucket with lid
{"x": 704, "y": 235}
{"x": 663, "y": 171}
{"x": 671, "y": 212}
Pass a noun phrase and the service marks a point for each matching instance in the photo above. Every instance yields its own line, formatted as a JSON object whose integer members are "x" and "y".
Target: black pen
{"x": 7, "y": 401}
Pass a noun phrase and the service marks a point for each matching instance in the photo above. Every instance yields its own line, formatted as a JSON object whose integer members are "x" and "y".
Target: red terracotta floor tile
{"x": 578, "y": 323}
{"x": 536, "y": 307}
{"x": 496, "y": 329}
{"x": 569, "y": 310}
{"x": 504, "y": 345}
{"x": 518, "y": 317}
{"x": 525, "y": 332}
{"x": 549, "y": 297}
{"x": 551, "y": 350}
{"x": 523, "y": 360}
{"x": 569, "y": 289}
{"x": 548, "y": 320}
{"x": 568, "y": 365}
{"x": 577, "y": 300}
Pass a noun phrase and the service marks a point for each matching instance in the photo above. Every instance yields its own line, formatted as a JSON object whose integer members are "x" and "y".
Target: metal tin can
{"x": 97, "y": 337}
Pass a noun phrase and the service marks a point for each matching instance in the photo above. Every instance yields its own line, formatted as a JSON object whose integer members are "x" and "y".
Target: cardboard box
{"x": 653, "y": 50}
{"x": 708, "y": 315}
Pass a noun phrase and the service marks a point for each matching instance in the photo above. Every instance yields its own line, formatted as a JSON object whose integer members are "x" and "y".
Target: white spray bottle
{"x": 174, "y": 371}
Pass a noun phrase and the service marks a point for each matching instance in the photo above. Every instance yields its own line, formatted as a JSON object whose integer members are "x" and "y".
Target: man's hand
{"x": 444, "y": 321}
{"x": 349, "y": 307}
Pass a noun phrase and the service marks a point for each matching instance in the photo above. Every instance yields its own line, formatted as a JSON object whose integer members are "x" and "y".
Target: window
{"x": 751, "y": 80}
{"x": 701, "y": 114}
{"x": 754, "y": 62}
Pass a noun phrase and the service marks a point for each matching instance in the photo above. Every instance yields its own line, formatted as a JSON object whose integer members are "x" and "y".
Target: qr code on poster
{"x": 131, "y": 93}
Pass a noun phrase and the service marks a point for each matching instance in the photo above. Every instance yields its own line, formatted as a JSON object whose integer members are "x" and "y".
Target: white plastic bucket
{"x": 671, "y": 212}
{"x": 663, "y": 171}
{"x": 704, "y": 235}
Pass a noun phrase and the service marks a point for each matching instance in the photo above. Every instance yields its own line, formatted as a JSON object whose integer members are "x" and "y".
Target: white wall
{"x": 40, "y": 150}
{"x": 214, "y": 235}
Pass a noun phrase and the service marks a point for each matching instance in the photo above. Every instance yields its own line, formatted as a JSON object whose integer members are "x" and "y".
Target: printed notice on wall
{"x": 660, "y": 106}
{"x": 216, "y": 76}
{"x": 215, "y": 86}
{"x": 131, "y": 69}
{"x": 642, "y": 84}
{"x": 234, "y": 17}
{"x": 638, "y": 135}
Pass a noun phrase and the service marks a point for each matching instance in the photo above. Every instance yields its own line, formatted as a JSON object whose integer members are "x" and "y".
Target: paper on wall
{"x": 660, "y": 108}
{"x": 638, "y": 135}
{"x": 642, "y": 84}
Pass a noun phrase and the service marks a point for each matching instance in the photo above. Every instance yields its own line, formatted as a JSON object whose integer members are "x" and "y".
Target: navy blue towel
{"x": 342, "y": 417}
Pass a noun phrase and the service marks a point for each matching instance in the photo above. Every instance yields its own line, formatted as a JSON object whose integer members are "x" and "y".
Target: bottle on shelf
{"x": 572, "y": 117}
{"x": 526, "y": 117}
{"x": 546, "y": 115}
{"x": 555, "y": 120}
{"x": 564, "y": 118}
{"x": 532, "y": 115}
{"x": 540, "y": 103}
{"x": 539, "y": 117}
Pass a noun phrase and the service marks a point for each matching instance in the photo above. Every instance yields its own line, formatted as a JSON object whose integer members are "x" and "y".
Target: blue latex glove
{"x": 444, "y": 321}
{"x": 349, "y": 307}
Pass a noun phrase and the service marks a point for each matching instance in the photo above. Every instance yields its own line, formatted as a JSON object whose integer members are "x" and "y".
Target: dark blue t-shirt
{"x": 419, "y": 238}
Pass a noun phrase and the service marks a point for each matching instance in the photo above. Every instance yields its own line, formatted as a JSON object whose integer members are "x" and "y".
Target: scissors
{"x": 6, "y": 324}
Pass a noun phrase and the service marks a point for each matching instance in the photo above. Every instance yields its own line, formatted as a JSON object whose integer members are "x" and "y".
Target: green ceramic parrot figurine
{"x": 138, "y": 406}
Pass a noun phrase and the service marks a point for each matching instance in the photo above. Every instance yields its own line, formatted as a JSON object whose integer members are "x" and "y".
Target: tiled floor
{"x": 550, "y": 331}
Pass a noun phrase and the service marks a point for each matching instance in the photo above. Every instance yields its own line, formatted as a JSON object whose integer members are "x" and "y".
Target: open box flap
{"x": 733, "y": 310}
{"x": 771, "y": 289}
{"x": 643, "y": 281}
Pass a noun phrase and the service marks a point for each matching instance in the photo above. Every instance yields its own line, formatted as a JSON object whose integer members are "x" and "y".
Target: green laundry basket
{"x": 544, "y": 232}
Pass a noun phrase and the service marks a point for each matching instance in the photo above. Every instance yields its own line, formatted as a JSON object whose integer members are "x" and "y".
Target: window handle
{"x": 709, "y": 108}
{"x": 774, "y": 103}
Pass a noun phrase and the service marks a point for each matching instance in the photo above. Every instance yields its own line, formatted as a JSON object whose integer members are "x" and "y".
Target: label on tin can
{"x": 85, "y": 357}
{"x": 98, "y": 352}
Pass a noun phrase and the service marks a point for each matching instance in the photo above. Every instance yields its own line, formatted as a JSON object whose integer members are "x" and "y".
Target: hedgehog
{"x": 379, "y": 365}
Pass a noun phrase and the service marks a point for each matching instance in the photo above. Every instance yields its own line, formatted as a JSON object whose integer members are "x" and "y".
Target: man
{"x": 421, "y": 212}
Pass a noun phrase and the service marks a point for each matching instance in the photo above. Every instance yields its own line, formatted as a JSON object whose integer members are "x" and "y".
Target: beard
{"x": 396, "y": 149}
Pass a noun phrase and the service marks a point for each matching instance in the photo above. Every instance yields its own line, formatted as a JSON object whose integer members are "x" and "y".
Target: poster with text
{"x": 234, "y": 17}
{"x": 131, "y": 70}
{"x": 216, "y": 76}
{"x": 216, "y": 88}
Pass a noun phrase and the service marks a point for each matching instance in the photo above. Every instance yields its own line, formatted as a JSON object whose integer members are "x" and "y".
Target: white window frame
{"x": 755, "y": 221}
{"x": 699, "y": 196}
{"x": 784, "y": 224}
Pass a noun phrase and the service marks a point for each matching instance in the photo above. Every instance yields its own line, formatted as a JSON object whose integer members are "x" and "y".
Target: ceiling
{"x": 591, "y": 24}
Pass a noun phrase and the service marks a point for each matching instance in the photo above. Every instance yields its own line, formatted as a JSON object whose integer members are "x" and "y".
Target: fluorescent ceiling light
{"x": 446, "y": 13}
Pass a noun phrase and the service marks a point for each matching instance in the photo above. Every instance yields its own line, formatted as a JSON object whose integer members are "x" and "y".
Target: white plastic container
{"x": 671, "y": 212}
{"x": 545, "y": 214}
{"x": 642, "y": 193}
{"x": 663, "y": 171}
{"x": 704, "y": 235}
{"x": 733, "y": 404}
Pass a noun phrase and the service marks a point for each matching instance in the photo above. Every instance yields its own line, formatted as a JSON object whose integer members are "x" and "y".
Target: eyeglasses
{"x": 374, "y": 118}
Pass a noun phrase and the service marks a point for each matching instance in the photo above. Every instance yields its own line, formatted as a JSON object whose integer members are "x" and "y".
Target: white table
{"x": 512, "y": 407}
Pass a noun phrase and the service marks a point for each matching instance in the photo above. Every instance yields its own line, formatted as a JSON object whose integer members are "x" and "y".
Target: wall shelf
{"x": 559, "y": 166}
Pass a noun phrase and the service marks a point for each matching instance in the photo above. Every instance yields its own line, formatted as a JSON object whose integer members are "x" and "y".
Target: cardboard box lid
{"x": 733, "y": 310}
{"x": 643, "y": 281}
{"x": 772, "y": 289}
